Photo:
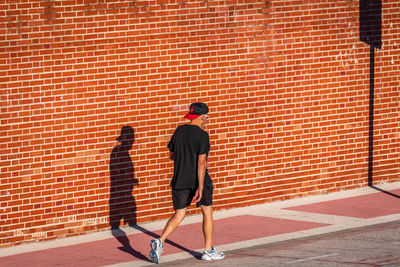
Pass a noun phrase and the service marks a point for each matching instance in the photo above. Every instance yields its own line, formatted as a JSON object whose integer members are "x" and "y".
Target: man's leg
{"x": 180, "y": 200}
{"x": 172, "y": 223}
{"x": 207, "y": 226}
{"x": 210, "y": 253}
{"x": 157, "y": 244}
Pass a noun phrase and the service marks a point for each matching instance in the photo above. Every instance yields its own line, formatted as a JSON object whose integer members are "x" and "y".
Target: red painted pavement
{"x": 365, "y": 206}
{"x": 136, "y": 247}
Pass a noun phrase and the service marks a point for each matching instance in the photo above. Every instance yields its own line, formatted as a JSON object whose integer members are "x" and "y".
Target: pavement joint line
{"x": 312, "y": 258}
{"x": 310, "y": 217}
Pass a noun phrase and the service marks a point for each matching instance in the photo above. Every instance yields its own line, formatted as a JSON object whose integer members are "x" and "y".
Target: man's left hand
{"x": 198, "y": 195}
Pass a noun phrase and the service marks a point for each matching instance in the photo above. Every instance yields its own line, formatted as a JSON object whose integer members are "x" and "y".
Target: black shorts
{"x": 182, "y": 198}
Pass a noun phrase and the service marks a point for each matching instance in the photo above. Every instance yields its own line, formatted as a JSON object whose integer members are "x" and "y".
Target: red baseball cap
{"x": 196, "y": 110}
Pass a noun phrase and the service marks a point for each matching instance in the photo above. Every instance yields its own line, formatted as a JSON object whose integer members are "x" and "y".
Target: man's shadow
{"x": 122, "y": 203}
{"x": 126, "y": 245}
{"x": 122, "y": 180}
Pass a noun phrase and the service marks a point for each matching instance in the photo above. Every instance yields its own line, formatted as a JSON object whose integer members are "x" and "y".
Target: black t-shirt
{"x": 187, "y": 143}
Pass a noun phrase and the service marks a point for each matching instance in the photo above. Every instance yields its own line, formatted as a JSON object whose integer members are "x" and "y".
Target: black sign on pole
{"x": 371, "y": 34}
{"x": 371, "y": 22}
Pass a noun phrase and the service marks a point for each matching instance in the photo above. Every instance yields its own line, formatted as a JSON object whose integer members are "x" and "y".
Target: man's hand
{"x": 198, "y": 195}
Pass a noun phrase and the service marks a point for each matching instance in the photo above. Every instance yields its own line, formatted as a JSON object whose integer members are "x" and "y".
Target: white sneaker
{"x": 157, "y": 247}
{"x": 212, "y": 255}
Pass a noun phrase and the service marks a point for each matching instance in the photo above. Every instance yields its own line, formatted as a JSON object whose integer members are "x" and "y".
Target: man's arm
{"x": 201, "y": 173}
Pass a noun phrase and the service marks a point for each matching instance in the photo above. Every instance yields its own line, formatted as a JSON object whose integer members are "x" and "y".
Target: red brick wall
{"x": 287, "y": 83}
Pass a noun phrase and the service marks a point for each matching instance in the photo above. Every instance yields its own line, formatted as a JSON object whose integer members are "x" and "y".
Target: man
{"x": 189, "y": 148}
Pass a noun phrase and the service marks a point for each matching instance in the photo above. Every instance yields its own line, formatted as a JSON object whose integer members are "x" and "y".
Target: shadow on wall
{"x": 371, "y": 34}
{"x": 122, "y": 203}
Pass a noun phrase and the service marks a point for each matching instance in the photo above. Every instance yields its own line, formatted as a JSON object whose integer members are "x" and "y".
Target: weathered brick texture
{"x": 287, "y": 83}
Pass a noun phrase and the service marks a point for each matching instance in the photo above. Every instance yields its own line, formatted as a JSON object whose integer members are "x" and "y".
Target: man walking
{"x": 189, "y": 148}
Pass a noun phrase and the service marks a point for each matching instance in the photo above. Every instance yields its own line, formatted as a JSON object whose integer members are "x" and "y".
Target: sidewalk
{"x": 234, "y": 229}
